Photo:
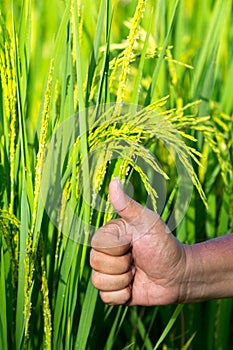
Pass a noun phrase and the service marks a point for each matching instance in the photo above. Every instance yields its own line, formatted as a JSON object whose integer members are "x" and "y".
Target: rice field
{"x": 91, "y": 90}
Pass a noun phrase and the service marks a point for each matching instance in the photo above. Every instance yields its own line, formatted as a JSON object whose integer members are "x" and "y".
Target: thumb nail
{"x": 115, "y": 186}
{"x": 116, "y": 194}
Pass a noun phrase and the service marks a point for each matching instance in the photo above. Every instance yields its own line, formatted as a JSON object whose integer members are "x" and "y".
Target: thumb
{"x": 142, "y": 218}
{"x": 125, "y": 206}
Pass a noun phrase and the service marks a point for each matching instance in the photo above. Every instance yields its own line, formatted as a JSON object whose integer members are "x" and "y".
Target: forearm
{"x": 209, "y": 270}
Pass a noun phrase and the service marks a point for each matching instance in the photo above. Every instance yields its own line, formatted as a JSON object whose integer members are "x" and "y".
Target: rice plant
{"x": 89, "y": 91}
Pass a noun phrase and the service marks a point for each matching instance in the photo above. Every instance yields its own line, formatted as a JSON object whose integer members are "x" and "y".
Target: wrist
{"x": 193, "y": 281}
{"x": 208, "y": 270}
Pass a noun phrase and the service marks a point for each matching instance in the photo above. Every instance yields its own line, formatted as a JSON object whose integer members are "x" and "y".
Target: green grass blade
{"x": 27, "y": 192}
{"x": 91, "y": 36}
{"x": 208, "y": 83}
{"x": 136, "y": 91}
{"x": 25, "y": 161}
{"x": 103, "y": 84}
{"x": 67, "y": 261}
{"x": 147, "y": 331}
{"x": 227, "y": 97}
{"x": 115, "y": 328}
{"x": 83, "y": 127}
{"x": 61, "y": 35}
{"x": 223, "y": 324}
{"x": 147, "y": 343}
{"x": 96, "y": 48}
{"x": 169, "y": 326}
{"x": 24, "y": 41}
{"x": 188, "y": 343}
{"x": 87, "y": 313}
{"x": 151, "y": 93}
{"x": 3, "y": 303}
{"x": 20, "y": 318}
{"x": 210, "y": 44}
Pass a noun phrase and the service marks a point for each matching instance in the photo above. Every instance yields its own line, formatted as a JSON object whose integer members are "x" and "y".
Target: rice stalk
{"x": 42, "y": 149}
{"x": 5, "y": 81}
{"x": 148, "y": 123}
{"x": 137, "y": 87}
{"x": 128, "y": 52}
{"x": 8, "y": 78}
{"x": 98, "y": 173}
{"x": 117, "y": 62}
{"x": 76, "y": 19}
{"x": 12, "y": 136}
{"x": 10, "y": 227}
{"x": 82, "y": 117}
{"x": 33, "y": 237}
{"x": 164, "y": 125}
{"x": 3, "y": 305}
{"x": 65, "y": 198}
{"x": 45, "y": 301}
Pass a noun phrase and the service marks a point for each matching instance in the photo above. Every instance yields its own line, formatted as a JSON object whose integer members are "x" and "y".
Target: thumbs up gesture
{"x": 135, "y": 259}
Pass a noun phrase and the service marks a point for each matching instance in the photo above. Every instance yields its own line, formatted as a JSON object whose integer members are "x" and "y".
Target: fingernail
{"x": 115, "y": 190}
{"x": 118, "y": 182}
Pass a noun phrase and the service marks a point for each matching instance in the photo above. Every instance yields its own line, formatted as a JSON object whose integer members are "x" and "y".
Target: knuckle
{"x": 93, "y": 259}
{"x": 107, "y": 298}
{"x": 126, "y": 295}
{"x": 112, "y": 229}
{"x": 126, "y": 262}
{"x": 113, "y": 265}
{"x": 124, "y": 280}
{"x": 129, "y": 277}
{"x": 95, "y": 279}
{"x": 116, "y": 298}
{"x": 107, "y": 283}
{"x": 115, "y": 225}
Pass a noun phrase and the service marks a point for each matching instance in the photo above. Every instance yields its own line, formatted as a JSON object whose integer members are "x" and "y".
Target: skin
{"x": 136, "y": 260}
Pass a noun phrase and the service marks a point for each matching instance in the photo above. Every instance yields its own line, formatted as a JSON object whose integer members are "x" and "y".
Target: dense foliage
{"x": 91, "y": 90}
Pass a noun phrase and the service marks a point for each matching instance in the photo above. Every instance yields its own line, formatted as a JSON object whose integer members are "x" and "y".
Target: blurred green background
{"x": 58, "y": 58}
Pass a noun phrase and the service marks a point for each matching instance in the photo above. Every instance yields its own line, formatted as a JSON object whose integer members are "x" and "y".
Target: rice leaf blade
{"x": 3, "y": 304}
{"x": 169, "y": 326}
{"x": 87, "y": 313}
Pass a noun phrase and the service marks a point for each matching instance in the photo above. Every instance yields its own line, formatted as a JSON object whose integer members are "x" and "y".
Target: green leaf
{"x": 87, "y": 313}
{"x": 3, "y": 303}
{"x": 169, "y": 326}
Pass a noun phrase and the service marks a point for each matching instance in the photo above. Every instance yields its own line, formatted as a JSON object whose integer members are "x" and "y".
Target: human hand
{"x": 136, "y": 259}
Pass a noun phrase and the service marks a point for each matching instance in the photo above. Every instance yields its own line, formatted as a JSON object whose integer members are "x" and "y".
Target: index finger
{"x": 112, "y": 238}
